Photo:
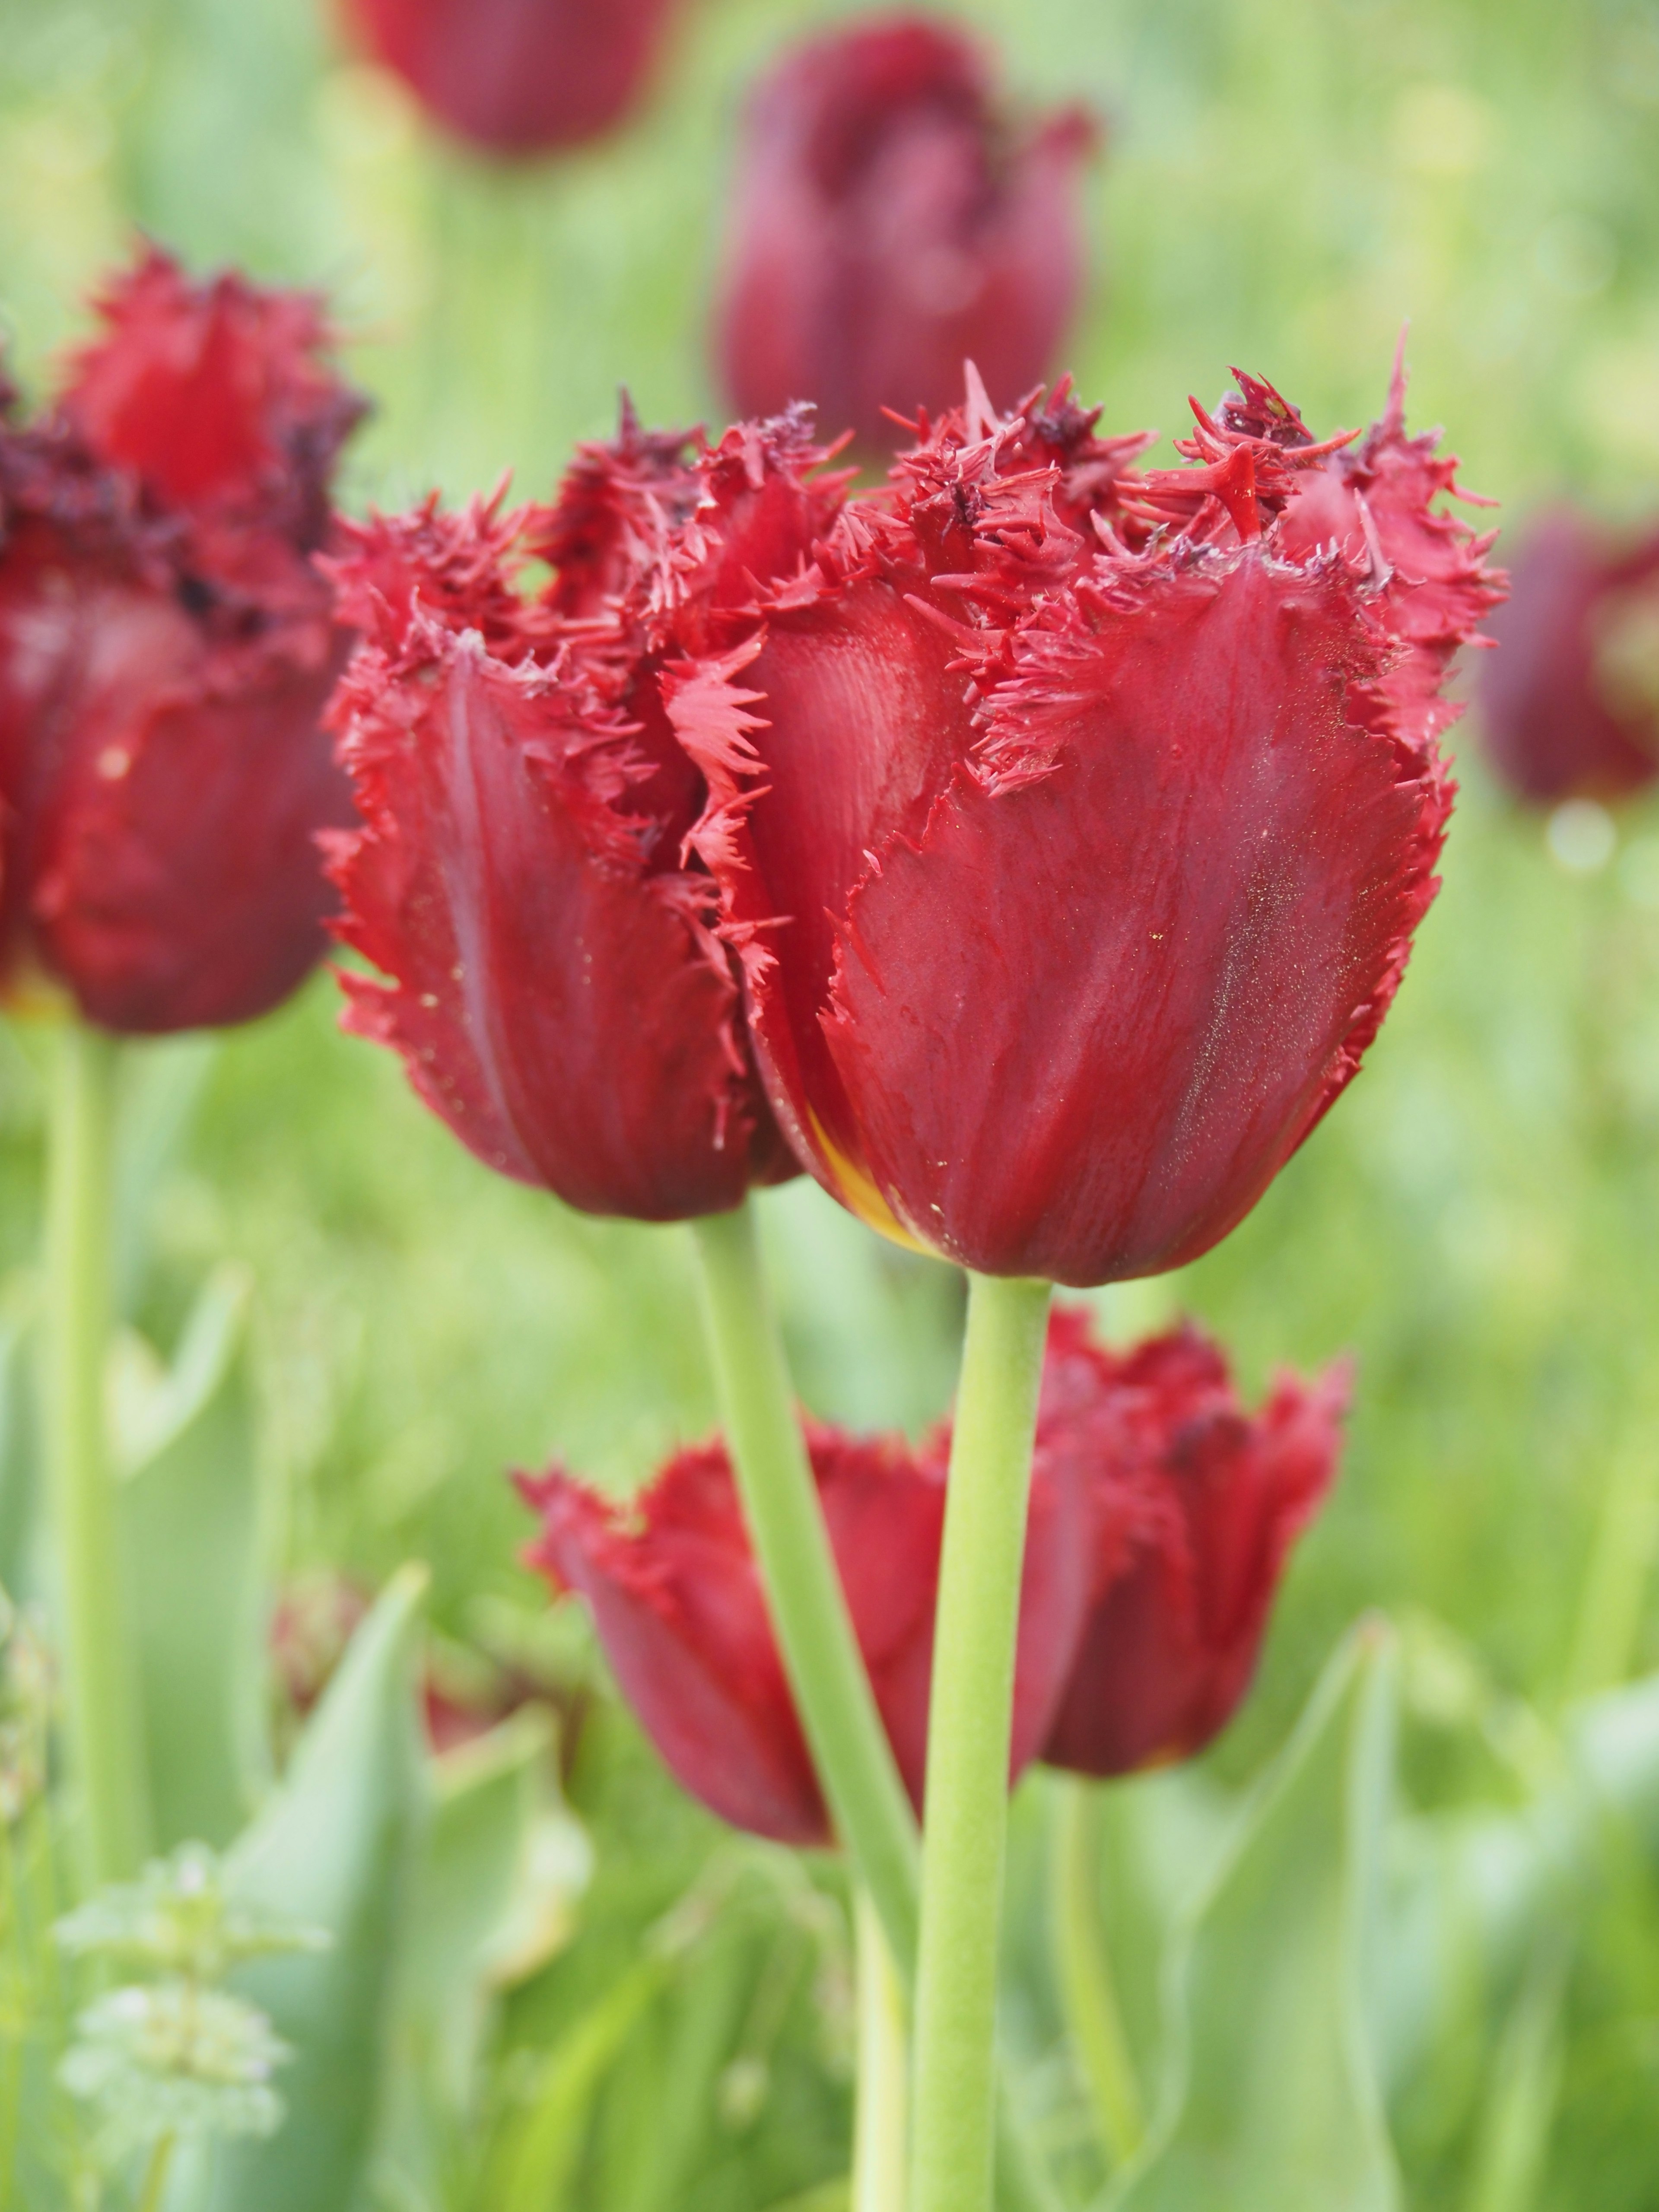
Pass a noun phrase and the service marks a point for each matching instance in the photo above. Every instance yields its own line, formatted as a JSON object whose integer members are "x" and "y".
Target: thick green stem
{"x": 1621, "y": 1566}
{"x": 880, "y": 2134}
{"x": 100, "y": 1691}
{"x": 1084, "y": 1970}
{"x": 814, "y": 1628}
{"x": 970, "y": 1728}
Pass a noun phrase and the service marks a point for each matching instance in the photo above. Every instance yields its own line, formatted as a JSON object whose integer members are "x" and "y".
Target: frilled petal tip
{"x": 1075, "y": 824}
{"x": 888, "y": 218}
{"x": 1197, "y": 1505}
{"x": 213, "y": 395}
{"x": 514, "y": 80}
{"x": 1569, "y": 704}
{"x": 555, "y": 984}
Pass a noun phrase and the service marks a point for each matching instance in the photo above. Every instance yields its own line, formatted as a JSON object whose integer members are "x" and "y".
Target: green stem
{"x": 880, "y": 2135}
{"x": 156, "y": 2175}
{"x": 970, "y": 1728}
{"x": 808, "y": 1606}
{"x": 1621, "y": 1559}
{"x": 1084, "y": 1970}
{"x": 101, "y": 1694}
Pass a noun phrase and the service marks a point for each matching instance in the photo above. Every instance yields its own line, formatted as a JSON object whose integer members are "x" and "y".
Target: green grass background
{"x": 1287, "y": 181}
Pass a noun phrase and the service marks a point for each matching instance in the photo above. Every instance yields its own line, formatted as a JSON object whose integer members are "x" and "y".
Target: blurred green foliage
{"x": 1287, "y": 181}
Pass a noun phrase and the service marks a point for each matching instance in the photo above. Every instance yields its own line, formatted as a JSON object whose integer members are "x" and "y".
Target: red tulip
{"x": 1570, "y": 706}
{"x": 518, "y": 76}
{"x": 166, "y": 650}
{"x": 1198, "y": 1504}
{"x": 1076, "y": 825}
{"x": 887, "y": 222}
{"x": 1160, "y": 1520}
{"x": 677, "y": 1601}
{"x": 558, "y": 989}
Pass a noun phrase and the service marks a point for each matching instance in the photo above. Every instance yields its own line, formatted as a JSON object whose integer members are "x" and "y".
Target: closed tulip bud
{"x": 167, "y": 647}
{"x": 1569, "y": 704}
{"x": 556, "y": 983}
{"x": 1196, "y": 1506}
{"x": 518, "y": 76}
{"x": 1074, "y": 823}
{"x": 887, "y": 222}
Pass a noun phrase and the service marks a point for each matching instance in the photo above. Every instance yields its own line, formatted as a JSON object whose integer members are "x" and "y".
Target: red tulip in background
{"x": 887, "y": 222}
{"x": 518, "y": 76}
{"x": 1074, "y": 824}
{"x": 1160, "y": 1519}
{"x": 166, "y": 650}
{"x": 1570, "y": 704}
{"x": 1200, "y": 1503}
{"x": 558, "y": 991}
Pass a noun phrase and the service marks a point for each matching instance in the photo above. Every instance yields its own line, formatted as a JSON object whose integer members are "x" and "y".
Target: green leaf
{"x": 20, "y": 1446}
{"x": 1272, "y": 2102}
{"x": 185, "y": 1443}
{"x": 335, "y": 1847}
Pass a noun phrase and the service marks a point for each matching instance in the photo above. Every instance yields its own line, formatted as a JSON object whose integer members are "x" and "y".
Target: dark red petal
{"x": 213, "y": 393}
{"x": 1198, "y": 1505}
{"x": 678, "y": 1606}
{"x": 1569, "y": 703}
{"x": 886, "y": 225}
{"x": 1082, "y": 1023}
{"x": 518, "y": 76}
{"x": 564, "y": 1011}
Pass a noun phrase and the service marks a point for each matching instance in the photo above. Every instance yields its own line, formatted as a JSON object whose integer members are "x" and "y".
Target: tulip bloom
{"x": 887, "y": 224}
{"x": 1160, "y": 1518}
{"x": 1570, "y": 706}
{"x": 518, "y": 76}
{"x": 167, "y": 647}
{"x": 556, "y": 987}
{"x": 677, "y": 1599}
{"x": 1076, "y": 823}
{"x": 1196, "y": 1506}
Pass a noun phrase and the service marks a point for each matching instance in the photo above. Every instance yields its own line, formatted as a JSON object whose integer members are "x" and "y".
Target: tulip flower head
{"x": 556, "y": 985}
{"x": 1196, "y": 1506}
{"x": 1160, "y": 1520}
{"x": 887, "y": 222}
{"x": 1075, "y": 823}
{"x": 516, "y": 77}
{"x": 167, "y": 647}
{"x": 1570, "y": 705}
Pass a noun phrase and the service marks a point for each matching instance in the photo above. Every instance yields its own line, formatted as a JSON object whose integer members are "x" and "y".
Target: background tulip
{"x": 558, "y": 991}
{"x": 1570, "y": 705}
{"x": 1101, "y": 839}
{"x": 886, "y": 221}
{"x": 1197, "y": 1504}
{"x": 166, "y": 651}
{"x": 517, "y": 76}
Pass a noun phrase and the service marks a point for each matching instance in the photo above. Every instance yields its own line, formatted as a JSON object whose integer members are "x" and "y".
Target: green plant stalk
{"x": 155, "y": 2176}
{"x": 100, "y": 1686}
{"x": 808, "y": 1606}
{"x": 881, "y": 2121}
{"x": 1083, "y": 1969}
{"x": 1609, "y": 1625}
{"x": 970, "y": 1728}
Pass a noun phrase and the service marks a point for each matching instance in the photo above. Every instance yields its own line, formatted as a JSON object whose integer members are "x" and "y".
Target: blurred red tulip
{"x": 677, "y": 1602}
{"x": 166, "y": 650}
{"x": 558, "y": 989}
{"x": 1160, "y": 1519}
{"x": 518, "y": 76}
{"x": 1569, "y": 704}
{"x": 1074, "y": 824}
{"x": 1197, "y": 1505}
{"x": 887, "y": 222}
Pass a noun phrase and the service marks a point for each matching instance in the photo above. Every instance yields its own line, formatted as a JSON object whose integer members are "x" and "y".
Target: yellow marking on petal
{"x": 859, "y": 1194}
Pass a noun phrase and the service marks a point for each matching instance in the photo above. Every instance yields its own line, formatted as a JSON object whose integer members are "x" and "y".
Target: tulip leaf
{"x": 185, "y": 1444}
{"x": 335, "y": 1847}
{"x": 1271, "y": 2102}
{"x": 478, "y": 1856}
